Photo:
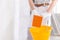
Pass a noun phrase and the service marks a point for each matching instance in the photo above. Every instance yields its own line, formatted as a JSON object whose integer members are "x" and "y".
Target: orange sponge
{"x": 37, "y": 20}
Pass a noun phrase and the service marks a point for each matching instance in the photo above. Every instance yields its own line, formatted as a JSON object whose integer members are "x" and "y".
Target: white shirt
{"x": 42, "y": 1}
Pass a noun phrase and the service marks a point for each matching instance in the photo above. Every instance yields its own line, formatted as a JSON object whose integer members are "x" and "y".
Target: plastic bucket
{"x": 42, "y": 33}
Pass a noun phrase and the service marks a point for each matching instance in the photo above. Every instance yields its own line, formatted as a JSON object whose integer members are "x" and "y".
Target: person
{"x": 25, "y": 17}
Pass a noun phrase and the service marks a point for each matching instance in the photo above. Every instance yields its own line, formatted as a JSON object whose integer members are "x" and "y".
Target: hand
{"x": 49, "y": 10}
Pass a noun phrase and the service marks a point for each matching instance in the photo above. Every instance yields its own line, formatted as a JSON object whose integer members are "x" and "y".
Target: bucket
{"x": 40, "y": 33}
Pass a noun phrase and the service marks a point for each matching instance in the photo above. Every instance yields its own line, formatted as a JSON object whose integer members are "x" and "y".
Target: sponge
{"x": 37, "y": 20}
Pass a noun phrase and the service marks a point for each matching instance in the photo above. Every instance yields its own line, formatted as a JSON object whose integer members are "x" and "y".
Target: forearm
{"x": 32, "y": 4}
{"x": 51, "y": 5}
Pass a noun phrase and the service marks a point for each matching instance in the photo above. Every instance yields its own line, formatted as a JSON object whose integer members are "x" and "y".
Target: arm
{"x": 32, "y": 4}
{"x": 51, "y": 5}
{"x": 34, "y": 11}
